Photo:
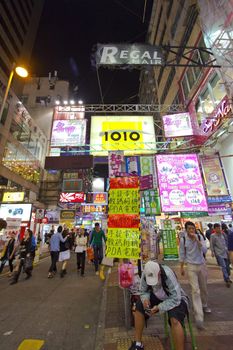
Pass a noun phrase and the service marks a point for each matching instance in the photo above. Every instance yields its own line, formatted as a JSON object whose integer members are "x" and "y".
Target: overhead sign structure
{"x": 180, "y": 183}
{"x": 67, "y": 197}
{"x": 13, "y": 197}
{"x": 177, "y": 125}
{"x": 68, "y": 133}
{"x": 128, "y": 54}
{"x": 131, "y": 134}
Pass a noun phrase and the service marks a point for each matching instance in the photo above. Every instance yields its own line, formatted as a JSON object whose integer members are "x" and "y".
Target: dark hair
{"x": 97, "y": 224}
{"x": 224, "y": 226}
{"x": 210, "y": 225}
{"x": 230, "y": 225}
{"x": 59, "y": 229}
{"x": 30, "y": 232}
{"x": 189, "y": 223}
{"x": 216, "y": 225}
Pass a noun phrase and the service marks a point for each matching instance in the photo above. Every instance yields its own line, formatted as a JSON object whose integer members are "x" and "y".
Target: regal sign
{"x": 211, "y": 124}
{"x": 77, "y": 197}
{"x": 126, "y": 54}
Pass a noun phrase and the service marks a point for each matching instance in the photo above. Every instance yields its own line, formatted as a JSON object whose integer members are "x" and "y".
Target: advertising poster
{"x": 170, "y": 248}
{"x": 100, "y": 198}
{"x": 16, "y": 211}
{"x": 220, "y": 209}
{"x": 123, "y": 201}
{"x": 180, "y": 183}
{"x": 151, "y": 202}
{"x": 68, "y": 133}
{"x": 132, "y": 165}
{"x": 53, "y": 216}
{"x": 67, "y": 215}
{"x": 214, "y": 177}
{"x": 123, "y": 220}
{"x": 124, "y": 182}
{"x": 72, "y": 185}
{"x": 13, "y": 197}
{"x": 176, "y": 125}
{"x": 69, "y": 197}
{"x": 147, "y": 166}
{"x": 115, "y": 163}
{"x": 123, "y": 243}
{"x": 146, "y": 182}
{"x": 122, "y": 133}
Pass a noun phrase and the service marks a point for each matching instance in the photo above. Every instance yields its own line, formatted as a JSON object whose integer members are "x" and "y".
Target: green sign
{"x": 152, "y": 202}
{"x": 192, "y": 215}
{"x": 170, "y": 248}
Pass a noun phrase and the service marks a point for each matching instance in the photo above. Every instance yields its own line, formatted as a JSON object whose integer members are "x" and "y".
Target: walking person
{"x": 209, "y": 231}
{"x": 80, "y": 250}
{"x": 192, "y": 251}
{"x": 25, "y": 259}
{"x": 219, "y": 249}
{"x": 55, "y": 240}
{"x": 96, "y": 241}
{"x": 64, "y": 255}
{"x": 160, "y": 292}
{"x": 9, "y": 253}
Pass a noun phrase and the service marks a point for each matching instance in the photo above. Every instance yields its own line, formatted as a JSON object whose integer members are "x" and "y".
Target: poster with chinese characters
{"x": 170, "y": 247}
{"x": 123, "y": 243}
{"x": 151, "y": 202}
{"x": 115, "y": 163}
{"x": 180, "y": 183}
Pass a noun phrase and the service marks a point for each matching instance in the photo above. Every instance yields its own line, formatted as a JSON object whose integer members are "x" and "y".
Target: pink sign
{"x": 68, "y": 133}
{"x": 180, "y": 183}
{"x": 212, "y": 123}
{"x": 176, "y": 125}
{"x": 77, "y": 197}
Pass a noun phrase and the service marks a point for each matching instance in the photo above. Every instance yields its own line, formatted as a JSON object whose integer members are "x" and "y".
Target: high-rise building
{"x": 19, "y": 22}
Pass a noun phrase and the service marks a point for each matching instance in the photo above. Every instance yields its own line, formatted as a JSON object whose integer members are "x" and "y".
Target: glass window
{"x": 207, "y": 101}
{"x": 218, "y": 89}
{"x": 190, "y": 77}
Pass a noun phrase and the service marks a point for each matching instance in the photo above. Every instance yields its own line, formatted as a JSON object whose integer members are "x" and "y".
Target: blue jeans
{"x": 225, "y": 265}
{"x": 98, "y": 256}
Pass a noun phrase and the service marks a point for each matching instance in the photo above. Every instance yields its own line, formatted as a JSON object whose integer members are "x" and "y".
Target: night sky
{"x": 68, "y": 31}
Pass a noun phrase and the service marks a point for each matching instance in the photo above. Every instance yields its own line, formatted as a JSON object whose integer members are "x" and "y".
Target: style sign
{"x": 68, "y": 133}
{"x": 180, "y": 183}
{"x": 176, "y": 125}
{"x": 122, "y": 133}
{"x": 214, "y": 177}
{"x": 128, "y": 54}
{"x": 13, "y": 197}
{"x": 67, "y": 197}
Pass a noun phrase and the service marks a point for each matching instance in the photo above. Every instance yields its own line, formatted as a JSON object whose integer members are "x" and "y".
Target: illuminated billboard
{"x": 67, "y": 197}
{"x": 20, "y": 211}
{"x": 13, "y": 197}
{"x": 180, "y": 183}
{"x": 68, "y": 133}
{"x": 131, "y": 134}
{"x": 176, "y": 125}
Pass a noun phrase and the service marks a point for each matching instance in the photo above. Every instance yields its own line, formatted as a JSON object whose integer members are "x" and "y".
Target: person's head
{"x": 224, "y": 227}
{"x": 190, "y": 229}
{"x": 210, "y": 226}
{"x": 12, "y": 234}
{"x": 152, "y": 273}
{"x": 28, "y": 233}
{"x": 81, "y": 232}
{"x": 230, "y": 225}
{"x": 59, "y": 229}
{"x": 65, "y": 233}
{"x": 217, "y": 228}
{"x": 97, "y": 226}
{"x": 3, "y": 224}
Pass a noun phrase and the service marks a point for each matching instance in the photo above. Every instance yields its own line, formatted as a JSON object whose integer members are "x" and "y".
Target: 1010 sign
{"x": 121, "y": 136}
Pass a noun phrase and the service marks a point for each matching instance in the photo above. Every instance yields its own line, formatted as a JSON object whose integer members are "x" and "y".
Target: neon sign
{"x": 212, "y": 123}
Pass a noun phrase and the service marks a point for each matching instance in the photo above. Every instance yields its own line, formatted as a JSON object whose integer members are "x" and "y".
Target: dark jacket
{"x": 25, "y": 247}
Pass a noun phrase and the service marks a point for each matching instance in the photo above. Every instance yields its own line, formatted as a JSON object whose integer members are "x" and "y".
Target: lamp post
{"x": 23, "y": 73}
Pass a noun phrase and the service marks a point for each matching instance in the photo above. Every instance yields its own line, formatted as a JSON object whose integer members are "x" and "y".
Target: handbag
{"x": 28, "y": 264}
{"x": 90, "y": 253}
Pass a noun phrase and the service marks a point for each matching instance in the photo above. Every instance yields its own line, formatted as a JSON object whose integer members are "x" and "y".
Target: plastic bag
{"x": 90, "y": 253}
{"x": 126, "y": 275}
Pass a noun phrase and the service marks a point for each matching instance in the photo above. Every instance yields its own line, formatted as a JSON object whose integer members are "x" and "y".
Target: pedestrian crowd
{"x": 20, "y": 254}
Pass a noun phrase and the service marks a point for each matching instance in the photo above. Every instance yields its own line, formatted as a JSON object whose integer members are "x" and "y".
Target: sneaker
{"x": 50, "y": 275}
{"x": 206, "y": 310}
{"x": 97, "y": 273}
{"x": 200, "y": 325}
{"x": 136, "y": 347}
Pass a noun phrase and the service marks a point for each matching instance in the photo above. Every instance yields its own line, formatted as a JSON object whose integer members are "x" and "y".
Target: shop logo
{"x": 212, "y": 123}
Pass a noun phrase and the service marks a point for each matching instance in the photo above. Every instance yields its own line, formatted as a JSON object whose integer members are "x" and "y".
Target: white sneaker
{"x": 207, "y": 310}
{"x": 200, "y": 325}
{"x": 97, "y": 273}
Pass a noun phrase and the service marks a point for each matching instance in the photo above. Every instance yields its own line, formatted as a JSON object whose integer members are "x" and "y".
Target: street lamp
{"x": 19, "y": 70}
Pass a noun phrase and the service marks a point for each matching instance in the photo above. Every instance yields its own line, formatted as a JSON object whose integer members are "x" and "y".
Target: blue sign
{"x": 219, "y": 199}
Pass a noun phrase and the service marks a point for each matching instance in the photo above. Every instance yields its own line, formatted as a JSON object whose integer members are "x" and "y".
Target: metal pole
{"x": 6, "y": 93}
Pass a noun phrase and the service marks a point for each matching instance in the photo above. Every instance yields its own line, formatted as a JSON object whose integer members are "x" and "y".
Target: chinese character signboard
{"x": 132, "y": 165}
{"x": 100, "y": 198}
{"x": 151, "y": 202}
{"x": 176, "y": 125}
{"x": 180, "y": 183}
{"x": 72, "y": 185}
{"x": 77, "y": 197}
{"x": 214, "y": 177}
{"x": 115, "y": 163}
{"x": 170, "y": 248}
{"x": 68, "y": 133}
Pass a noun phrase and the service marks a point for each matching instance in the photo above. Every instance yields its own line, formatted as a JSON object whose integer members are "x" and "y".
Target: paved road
{"x": 62, "y": 312}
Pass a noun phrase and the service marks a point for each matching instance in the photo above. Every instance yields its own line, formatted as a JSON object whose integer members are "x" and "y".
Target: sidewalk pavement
{"x": 219, "y": 324}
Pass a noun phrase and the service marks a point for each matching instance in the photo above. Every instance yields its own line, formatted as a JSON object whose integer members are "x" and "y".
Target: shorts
{"x": 64, "y": 255}
{"x": 179, "y": 312}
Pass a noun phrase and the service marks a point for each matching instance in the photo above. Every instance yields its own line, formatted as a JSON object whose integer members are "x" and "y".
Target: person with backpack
{"x": 160, "y": 292}
{"x": 219, "y": 249}
{"x": 192, "y": 252}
